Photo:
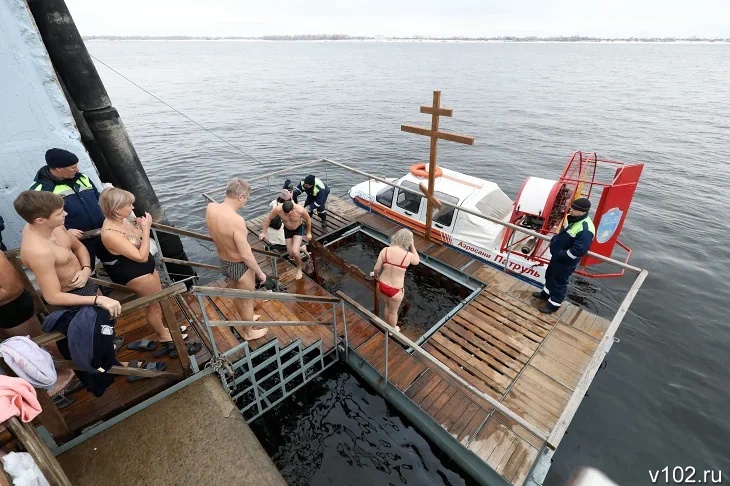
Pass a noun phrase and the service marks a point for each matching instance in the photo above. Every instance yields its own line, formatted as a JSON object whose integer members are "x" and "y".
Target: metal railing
{"x": 209, "y": 195}
{"x": 390, "y": 331}
{"x": 234, "y": 375}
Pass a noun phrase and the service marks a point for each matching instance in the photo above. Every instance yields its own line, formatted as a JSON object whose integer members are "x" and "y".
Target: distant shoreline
{"x": 502, "y": 39}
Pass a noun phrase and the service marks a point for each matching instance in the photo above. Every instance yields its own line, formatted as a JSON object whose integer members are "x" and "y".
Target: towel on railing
{"x": 29, "y": 361}
{"x": 17, "y": 398}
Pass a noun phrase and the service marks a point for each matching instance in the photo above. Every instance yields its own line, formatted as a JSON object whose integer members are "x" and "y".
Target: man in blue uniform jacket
{"x": 61, "y": 176}
{"x": 567, "y": 248}
{"x": 317, "y": 192}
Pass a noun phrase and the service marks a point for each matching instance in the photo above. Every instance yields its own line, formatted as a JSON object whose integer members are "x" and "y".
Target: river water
{"x": 663, "y": 399}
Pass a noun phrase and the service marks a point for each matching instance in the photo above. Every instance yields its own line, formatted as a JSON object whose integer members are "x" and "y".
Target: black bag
{"x": 276, "y": 223}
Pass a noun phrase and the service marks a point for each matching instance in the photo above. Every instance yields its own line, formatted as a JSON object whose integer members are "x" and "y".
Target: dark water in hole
{"x": 336, "y": 430}
{"x": 429, "y": 296}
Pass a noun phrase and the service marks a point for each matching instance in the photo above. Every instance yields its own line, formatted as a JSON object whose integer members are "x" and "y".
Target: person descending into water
{"x": 294, "y": 217}
{"x": 237, "y": 262}
{"x": 394, "y": 261}
{"x": 317, "y": 193}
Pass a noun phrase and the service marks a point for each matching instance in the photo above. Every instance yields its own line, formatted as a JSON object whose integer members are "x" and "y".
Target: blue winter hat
{"x": 57, "y": 158}
{"x": 309, "y": 180}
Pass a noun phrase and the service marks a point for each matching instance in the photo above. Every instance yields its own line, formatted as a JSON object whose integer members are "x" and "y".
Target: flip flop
{"x": 73, "y": 386}
{"x": 194, "y": 348}
{"x": 165, "y": 348}
{"x": 118, "y": 342}
{"x": 140, "y": 364}
{"x": 61, "y": 401}
{"x": 143, "y": 345}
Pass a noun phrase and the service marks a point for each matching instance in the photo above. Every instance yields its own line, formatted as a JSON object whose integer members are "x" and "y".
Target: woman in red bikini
{"x": 394, "y": 261}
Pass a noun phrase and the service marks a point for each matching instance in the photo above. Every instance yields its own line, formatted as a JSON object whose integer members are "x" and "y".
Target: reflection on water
{"x": 429, "y": 296}
{"x": 336, "y": 430}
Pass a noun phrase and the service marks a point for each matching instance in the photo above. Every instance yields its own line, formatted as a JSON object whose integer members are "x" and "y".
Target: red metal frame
{"x": 580, "y": 177}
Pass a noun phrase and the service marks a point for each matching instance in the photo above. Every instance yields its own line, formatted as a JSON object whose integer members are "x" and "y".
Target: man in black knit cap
{"x": 61, "y": 176}
{"x": 567, "y": 248}
{"x": 317, "y": 192}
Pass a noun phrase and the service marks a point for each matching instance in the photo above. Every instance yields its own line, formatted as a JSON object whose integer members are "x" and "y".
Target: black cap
{"x": 309, "y": 180}
{"x": 57, "y": 158}
{"x": 581, "y": 204}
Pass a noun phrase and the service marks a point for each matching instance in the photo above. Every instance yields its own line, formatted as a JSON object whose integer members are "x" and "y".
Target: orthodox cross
{"x": 435, "y": 111}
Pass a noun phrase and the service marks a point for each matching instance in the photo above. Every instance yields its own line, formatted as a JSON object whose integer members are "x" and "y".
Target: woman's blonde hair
{"x": 402, "y": 238}
{"x": 112, "y": 199}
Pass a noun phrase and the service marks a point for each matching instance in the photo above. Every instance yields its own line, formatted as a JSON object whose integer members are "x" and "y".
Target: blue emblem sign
{"x": 609, "y": 224}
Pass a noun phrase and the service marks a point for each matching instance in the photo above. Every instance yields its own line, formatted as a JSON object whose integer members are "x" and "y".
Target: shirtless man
{"x": 17, "y": 316}
{"x": 237, "y": 262}
{"x": 60, "y": 262}
{"x": 294, "y": 218}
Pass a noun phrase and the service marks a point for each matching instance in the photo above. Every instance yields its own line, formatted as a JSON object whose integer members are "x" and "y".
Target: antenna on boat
{"x": 435, "y": 111}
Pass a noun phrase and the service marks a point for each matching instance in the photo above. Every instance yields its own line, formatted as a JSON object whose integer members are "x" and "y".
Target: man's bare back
{"x": 238, "y": 265}
{"x": 224, "y": 224}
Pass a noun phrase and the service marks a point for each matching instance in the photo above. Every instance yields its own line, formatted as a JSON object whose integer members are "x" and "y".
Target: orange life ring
{"x": 419, "y": 170}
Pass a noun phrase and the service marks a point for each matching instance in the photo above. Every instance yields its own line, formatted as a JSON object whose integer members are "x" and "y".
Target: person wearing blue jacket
{"x": 317, "y": 193}
{"x": 61, "y": 176}
{"x": 567, "y": 248}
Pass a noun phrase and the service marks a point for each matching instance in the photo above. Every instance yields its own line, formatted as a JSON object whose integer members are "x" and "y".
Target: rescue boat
{"x": 540, "y": 206}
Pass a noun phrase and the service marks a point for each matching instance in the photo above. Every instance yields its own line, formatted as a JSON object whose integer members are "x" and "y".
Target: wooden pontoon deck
{"x": 498, "y": 342}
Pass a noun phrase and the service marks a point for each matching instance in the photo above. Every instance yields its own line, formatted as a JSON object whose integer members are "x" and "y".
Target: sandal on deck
{"x": 143, "y": 345}
{"x": 61, "y": 401}
{"x": 144, "y": 365}
{"x": 73, "y": 386}
{"x": 118, "y": 342}
{"x": 194, "y": 348}
{"x": 151, "y": 366}
{"x": 166, "y": 348}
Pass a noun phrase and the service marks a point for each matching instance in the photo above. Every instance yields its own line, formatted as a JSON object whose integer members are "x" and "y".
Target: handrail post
{"x": 347, "y": 341}
{"x": 334, "y": 329}
{"x": 386, "y": 357}
{"x": 216, "y": 353}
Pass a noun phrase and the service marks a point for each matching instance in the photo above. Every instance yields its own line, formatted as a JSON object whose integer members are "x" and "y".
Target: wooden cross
{"x": 435, "y": 111}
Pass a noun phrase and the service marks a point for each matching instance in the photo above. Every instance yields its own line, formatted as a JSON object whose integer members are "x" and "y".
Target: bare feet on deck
{"x": 299, "y": 274}
{"x": 255, "y": 333}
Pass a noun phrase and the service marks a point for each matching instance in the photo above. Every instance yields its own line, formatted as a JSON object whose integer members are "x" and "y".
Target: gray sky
{"x": 599, "y": 18}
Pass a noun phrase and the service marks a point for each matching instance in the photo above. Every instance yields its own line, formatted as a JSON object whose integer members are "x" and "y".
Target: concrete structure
{"x": 195, "y": 436}
{"x": 35, "y": 113}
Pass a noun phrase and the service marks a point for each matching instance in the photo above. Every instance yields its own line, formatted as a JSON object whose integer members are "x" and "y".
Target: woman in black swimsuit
{"x": 127, "y": 259}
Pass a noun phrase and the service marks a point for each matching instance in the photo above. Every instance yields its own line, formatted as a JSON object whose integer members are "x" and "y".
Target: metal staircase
{"x": 268, "y": 374}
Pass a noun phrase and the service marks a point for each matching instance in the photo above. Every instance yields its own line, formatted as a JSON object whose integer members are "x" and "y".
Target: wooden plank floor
{"x": 498, "y": 342}
{"x": 501, "y": 344}
{"x": 123, "y": 394}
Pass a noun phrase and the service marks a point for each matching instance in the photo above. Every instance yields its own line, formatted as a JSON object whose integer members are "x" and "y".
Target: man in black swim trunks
{"x": 294, "y": 217}
{"x": 17, "y": 316}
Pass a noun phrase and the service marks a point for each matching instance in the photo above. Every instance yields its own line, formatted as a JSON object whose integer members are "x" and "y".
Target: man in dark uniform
{"x": 61, "y": 176}
{"x": 317, "y": 192}
{"x": 567, "y": 248}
